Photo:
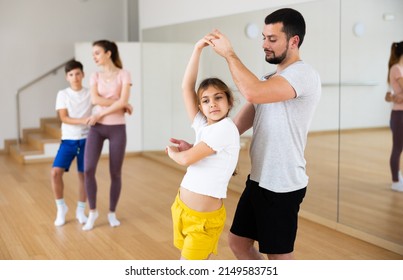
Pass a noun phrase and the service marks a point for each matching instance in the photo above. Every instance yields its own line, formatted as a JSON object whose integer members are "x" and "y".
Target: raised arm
{"x": 251, "y": 87}
{"x": 189, "y": 80}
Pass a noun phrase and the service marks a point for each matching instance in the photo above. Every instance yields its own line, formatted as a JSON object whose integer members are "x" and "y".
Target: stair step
{"x": 53, "y": 129}
{"x": 25, "y": 149}
{"x": 19, "y": 152}
{"x": 37, "y": 144}
{"x": 28, "y": 131}
{"x": 37, "y": 140}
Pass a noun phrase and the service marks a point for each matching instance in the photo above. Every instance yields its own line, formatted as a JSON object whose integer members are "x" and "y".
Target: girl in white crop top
{"x": 213, "y": 158}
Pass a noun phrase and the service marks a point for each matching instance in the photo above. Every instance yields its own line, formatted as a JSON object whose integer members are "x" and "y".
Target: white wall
{"x": 164, "y": 112}
{"x": 179, "y": 11}
{"x": 39, "y": 35}
{"x": 35, "y": 39}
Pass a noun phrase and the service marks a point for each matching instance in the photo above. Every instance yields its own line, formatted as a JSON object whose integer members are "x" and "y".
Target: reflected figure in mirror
{"x": 395, "y": 81}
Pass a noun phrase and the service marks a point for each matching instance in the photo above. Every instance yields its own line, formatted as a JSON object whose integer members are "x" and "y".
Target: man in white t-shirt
{"x": 74, "y": 107}
{"x": 280, "y": 109}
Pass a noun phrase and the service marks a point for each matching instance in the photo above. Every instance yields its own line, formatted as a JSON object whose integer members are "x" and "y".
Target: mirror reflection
{"x": 350, "y": 142}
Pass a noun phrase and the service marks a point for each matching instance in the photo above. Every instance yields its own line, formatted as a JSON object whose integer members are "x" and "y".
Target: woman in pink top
{"x": 395, "y": 80}
{"x": 110, "y": 90}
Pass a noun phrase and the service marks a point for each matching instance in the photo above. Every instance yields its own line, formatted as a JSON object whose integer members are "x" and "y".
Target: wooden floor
{"x": 27, "y": 212}
{"x": 353, "y": 168}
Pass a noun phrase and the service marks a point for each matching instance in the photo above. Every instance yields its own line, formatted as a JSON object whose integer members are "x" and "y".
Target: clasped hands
{"x": 93, "y": 119}
{"x": 219, "y": 42}
{"x": 180, "y": 146}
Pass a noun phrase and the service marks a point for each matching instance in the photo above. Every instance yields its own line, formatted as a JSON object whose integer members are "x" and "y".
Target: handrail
{"x": 21, "y": 89}
{"x": 352, "y": 84}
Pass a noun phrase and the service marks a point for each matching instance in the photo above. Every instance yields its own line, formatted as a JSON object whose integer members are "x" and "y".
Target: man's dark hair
{"x": 73, "y": 64}
{"x": 292, "y": 20}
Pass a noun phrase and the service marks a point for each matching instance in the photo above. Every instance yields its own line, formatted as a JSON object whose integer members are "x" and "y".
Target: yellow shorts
{"x": 196, "y": 234}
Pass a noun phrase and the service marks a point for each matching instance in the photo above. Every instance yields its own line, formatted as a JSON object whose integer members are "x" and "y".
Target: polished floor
{"x": 27, "y": 212}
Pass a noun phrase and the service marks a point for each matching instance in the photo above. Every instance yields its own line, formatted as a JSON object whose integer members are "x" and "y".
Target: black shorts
{"x": 269, "y": 218}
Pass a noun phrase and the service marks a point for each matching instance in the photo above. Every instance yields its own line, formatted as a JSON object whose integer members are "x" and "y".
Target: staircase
{"x": 37, "y": 144}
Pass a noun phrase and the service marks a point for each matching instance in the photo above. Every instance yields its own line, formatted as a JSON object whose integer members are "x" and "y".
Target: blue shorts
{"x": 68, "y": 150}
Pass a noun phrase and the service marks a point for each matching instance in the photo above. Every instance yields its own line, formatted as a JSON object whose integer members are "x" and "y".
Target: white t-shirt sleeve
{"x": 302, "y": 84}
{"x": 218, "y": 136}
{"x": 61, "y": 100}
{"x": 199, "y": 121}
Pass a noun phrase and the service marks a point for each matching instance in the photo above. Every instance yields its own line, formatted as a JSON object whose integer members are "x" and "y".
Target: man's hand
{"x": 220, "y": 43}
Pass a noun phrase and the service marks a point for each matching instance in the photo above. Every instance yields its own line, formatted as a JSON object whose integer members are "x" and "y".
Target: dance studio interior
{"x": 349, "y": 212}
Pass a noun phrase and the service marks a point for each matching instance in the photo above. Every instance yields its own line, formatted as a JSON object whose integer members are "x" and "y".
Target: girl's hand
{"x": 92, "y": 120}
{"x": 181, "y": 145}
{"x": 170, "y": 150}
{"x": 220, "y": 43}
{"x": 397, "y": 98}
{"x": 85, "y": 121}
{"x": 201, "y": 43}
{"x": 388, "y": 96}
{"x": 129, "y": 109}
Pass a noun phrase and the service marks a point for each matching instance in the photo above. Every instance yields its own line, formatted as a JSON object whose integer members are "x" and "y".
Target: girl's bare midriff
{"x": 200, "y": 202}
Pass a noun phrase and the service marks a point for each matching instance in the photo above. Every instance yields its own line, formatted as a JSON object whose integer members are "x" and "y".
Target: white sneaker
{"x": 397, "y": 186}
{"x": 400, "y": 177}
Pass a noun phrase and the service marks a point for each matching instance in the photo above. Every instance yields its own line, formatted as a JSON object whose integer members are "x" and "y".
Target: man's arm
{"x": 254, "y": 90}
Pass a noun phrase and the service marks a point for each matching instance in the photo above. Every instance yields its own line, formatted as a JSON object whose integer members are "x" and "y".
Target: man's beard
{"x": 277, "y": 59}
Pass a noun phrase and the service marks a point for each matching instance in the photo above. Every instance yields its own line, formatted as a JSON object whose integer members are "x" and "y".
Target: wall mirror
{"x": 349, "y": 144}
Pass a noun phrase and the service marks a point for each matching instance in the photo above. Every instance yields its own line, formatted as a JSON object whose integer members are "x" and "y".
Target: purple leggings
{"x": 116, "y": 134}
{"x": 396, "y": 125}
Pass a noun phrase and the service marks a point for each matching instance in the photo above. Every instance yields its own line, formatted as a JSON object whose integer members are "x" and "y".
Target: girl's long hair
{"x": 113, "y": 48}
{"x": 396, "y": 51}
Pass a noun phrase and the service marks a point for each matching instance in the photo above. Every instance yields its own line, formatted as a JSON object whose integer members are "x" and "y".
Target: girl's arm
{"x": 398, "y": 98}
{"x": 400, "y": 82}
{"x": 97, "y": 99}
{"x": 64, "y": 117}
{"x": 121, "y": 103}
{"x": 190, "y": 156}
{"x": 189, "y": 80}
